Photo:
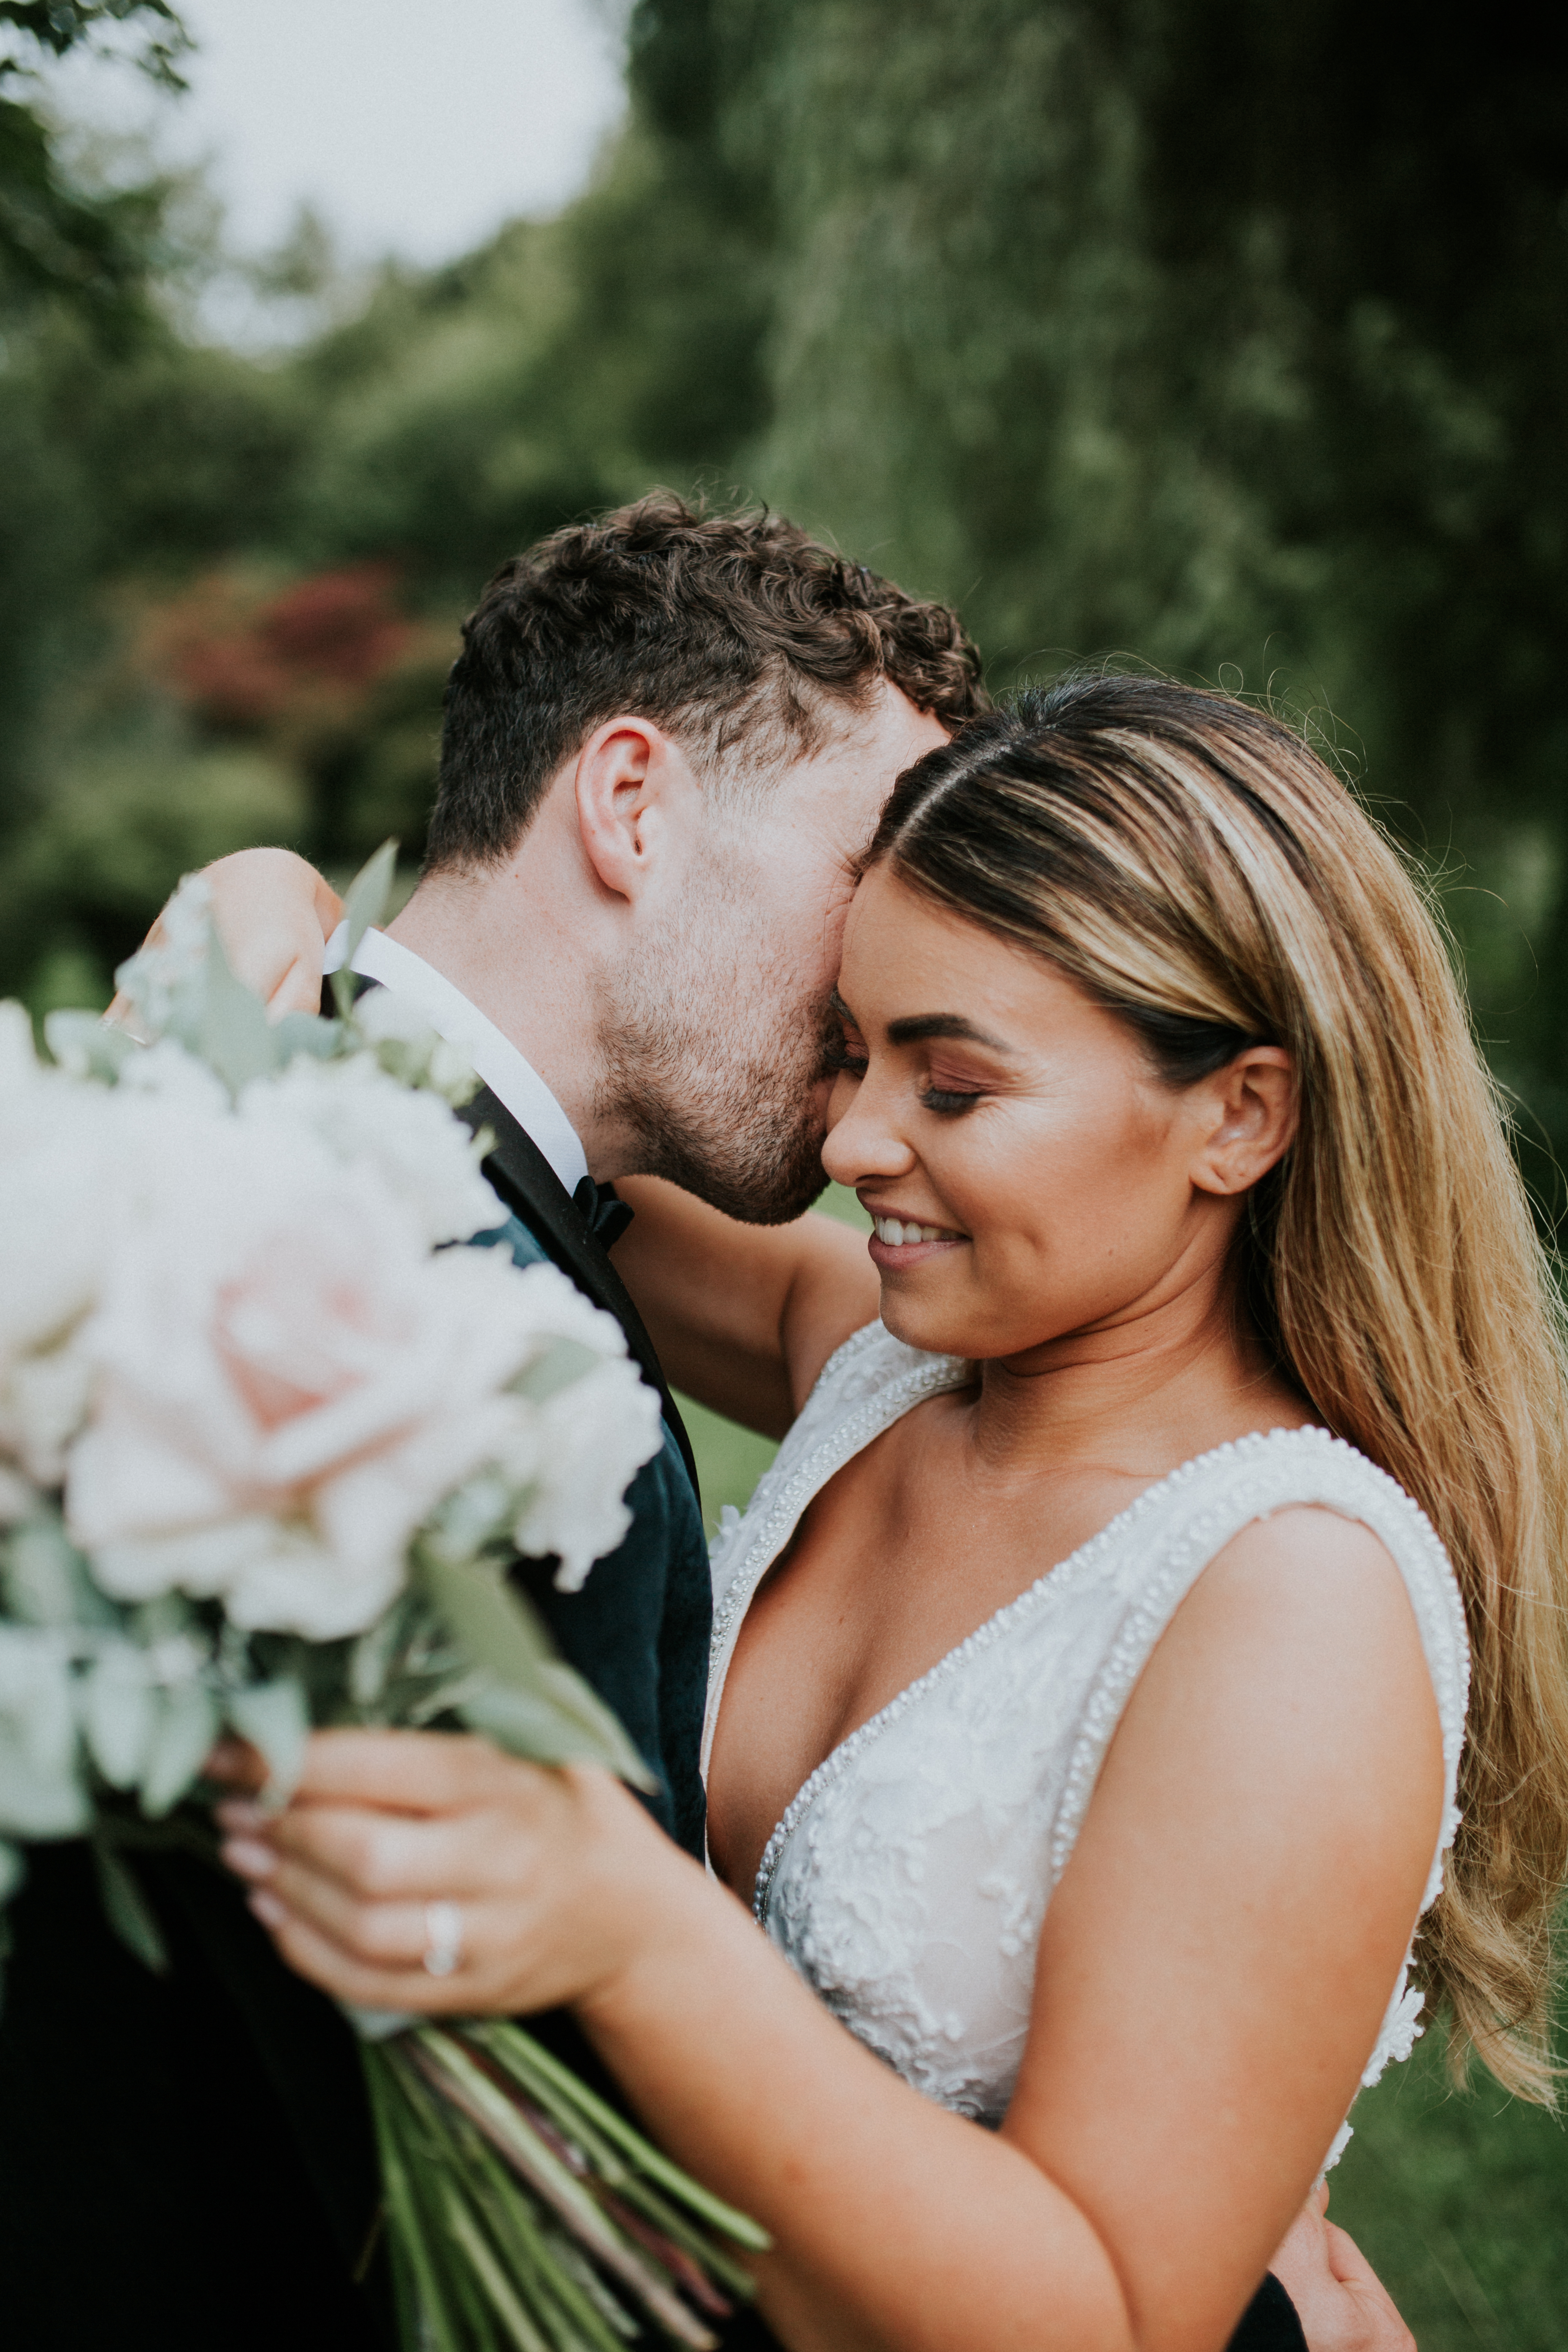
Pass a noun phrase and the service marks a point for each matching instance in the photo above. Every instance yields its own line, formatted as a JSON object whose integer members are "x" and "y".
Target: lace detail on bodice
{"x": 907, "y": 1880}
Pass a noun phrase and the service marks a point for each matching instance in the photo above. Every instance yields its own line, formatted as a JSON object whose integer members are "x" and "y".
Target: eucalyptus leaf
{"x": 563, "y": 1362}
{"x": 187, "y": 1726}
{"x": 83, "y": 1043}
{"x": 41, "y": 1788}
{"x": 365, "y": 902}
{"x": 120, "y": 1713}
{"x": 46, "y": 1580}
{"x": 127, "y": 1911}
{"x": 536, "y": 1704}
{"x": 237, "y": 1037}
{"x": 369, "y": 1660}
{"x": 308, "y": 1032}
{"x": 275, "y": 1719}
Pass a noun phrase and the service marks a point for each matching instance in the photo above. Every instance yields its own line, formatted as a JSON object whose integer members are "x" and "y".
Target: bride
{"x": 1088, "y": 1719}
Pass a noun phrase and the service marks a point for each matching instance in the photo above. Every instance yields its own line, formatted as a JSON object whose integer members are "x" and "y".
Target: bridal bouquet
{"x": 267, "y": 1445}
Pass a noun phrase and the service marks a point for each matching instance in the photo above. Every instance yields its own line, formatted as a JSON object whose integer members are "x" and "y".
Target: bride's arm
{"x": 743, "y": 1317}
{"x": 1212, "y": 1974}
{"x": 275, "y": 915}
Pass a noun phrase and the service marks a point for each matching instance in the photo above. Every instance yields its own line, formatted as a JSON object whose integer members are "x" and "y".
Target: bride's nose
{"x": 864, "y": 1144}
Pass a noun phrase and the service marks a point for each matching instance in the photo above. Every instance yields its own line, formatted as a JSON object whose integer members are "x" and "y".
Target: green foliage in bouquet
{"x": 268, "y": 1447}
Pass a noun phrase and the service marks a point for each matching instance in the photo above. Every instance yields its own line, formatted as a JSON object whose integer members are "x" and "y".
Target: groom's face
{"x": 717, "y": 1037}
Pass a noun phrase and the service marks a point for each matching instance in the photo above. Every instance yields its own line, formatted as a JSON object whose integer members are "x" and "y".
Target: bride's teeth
{"x": 899, "y": 1232}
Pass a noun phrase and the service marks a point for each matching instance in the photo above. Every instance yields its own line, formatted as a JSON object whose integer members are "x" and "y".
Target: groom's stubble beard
{"x": 713, "y": 1059}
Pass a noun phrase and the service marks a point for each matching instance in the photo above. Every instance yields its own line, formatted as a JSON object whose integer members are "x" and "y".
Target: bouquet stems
{"x": 523, "y": 2212}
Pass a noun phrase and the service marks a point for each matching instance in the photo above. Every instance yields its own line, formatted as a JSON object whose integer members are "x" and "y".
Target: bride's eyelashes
{"x": 847, "y": 1057}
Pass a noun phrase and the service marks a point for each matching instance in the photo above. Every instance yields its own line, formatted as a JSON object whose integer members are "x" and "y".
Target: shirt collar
{"x": 511, "y": 1080}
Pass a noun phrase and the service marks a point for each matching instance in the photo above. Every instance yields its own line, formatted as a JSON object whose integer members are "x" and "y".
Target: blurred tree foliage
{"x": 1233, "y": 340}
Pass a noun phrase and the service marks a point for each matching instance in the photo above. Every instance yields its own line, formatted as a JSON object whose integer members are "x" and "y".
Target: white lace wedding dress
{"x": 907, "y": 1880}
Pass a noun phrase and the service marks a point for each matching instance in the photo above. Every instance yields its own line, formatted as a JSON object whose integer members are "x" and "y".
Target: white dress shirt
{"x": 511, "y": 1080}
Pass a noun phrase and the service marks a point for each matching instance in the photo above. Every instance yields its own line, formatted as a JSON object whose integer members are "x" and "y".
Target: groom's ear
{"x": 634, "y": 792}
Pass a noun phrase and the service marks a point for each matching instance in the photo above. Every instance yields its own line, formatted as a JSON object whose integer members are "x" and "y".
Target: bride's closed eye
{"x": 950, "y": 1102}
{"x": 847, "y": 1056}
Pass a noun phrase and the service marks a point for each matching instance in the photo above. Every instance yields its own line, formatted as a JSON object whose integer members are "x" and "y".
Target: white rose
{"x": 288, "y": 1383}
{"x": 367, "y": 1119}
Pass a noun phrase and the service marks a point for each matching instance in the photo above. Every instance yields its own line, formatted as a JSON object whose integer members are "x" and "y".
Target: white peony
{"x": 368, "y": 1120}
{"x": 288, "y": 1381}
{"x": 585, "y": 1438}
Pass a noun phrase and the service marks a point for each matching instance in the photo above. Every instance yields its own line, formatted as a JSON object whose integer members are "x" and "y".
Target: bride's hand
{"x": 551, "y": 1881}
{"x": 1342, "y": 2304}
{"x": 275, "y": 915}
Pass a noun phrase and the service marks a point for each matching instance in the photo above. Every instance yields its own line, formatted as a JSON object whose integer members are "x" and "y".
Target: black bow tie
{"x": 605, "y": 1213}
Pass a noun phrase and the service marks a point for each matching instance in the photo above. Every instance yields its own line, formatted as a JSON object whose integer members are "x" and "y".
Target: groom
{"x": 666, "y": 741}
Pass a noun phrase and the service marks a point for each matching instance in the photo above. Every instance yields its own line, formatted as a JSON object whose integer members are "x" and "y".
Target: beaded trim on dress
{"x": 909, "y": 1875}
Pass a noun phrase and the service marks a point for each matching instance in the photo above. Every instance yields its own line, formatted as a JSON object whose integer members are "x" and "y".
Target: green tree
{"x": 1230, "y": 338}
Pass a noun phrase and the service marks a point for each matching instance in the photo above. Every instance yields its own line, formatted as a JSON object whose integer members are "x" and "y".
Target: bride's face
{"x": 1030, "y": 1175}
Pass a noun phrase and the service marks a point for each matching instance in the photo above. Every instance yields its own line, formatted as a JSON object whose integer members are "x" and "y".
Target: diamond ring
{"x": 444, "y": 1933}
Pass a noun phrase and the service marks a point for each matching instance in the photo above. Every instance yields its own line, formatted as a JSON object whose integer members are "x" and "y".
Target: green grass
{"x": 731, "y": 1460}
{"x": 1459, "y": 2199}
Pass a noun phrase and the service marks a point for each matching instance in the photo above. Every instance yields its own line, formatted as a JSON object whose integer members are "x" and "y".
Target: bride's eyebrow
{"x": 917, "y": 1026}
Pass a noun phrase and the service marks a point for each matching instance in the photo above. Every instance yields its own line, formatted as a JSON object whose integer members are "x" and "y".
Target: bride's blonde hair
{"x": 1195, "y": 866}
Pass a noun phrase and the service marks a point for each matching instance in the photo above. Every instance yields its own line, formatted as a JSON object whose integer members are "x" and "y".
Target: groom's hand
{"x": 1342, "y": 2304}
{"x": 427, "y": 1870}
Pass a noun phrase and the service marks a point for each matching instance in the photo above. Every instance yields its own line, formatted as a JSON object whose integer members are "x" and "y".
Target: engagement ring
{"x": 444, "y": 1928}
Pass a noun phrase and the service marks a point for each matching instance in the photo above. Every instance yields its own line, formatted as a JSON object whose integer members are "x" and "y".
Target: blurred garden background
{"x": 1228, "y": 338}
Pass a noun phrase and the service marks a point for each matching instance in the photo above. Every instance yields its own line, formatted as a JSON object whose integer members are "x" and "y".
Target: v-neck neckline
{"x": 901, "y": 1396}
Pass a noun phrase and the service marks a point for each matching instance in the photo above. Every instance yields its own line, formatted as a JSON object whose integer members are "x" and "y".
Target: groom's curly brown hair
{"x": 737, "y": 632}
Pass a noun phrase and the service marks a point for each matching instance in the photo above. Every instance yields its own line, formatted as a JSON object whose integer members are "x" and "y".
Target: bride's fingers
{"x": 379, "y": 1856}
{"x": 365, "y": 1983}
{"x": 384, "y": 1936}
{"x": 406, "y": 1771}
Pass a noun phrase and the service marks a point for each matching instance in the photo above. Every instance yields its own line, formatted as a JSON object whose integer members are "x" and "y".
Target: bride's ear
{"x": 1247, "y": 1121}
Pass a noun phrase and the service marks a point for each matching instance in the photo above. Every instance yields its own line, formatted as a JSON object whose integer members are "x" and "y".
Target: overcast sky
{"x": 414, "y": 126}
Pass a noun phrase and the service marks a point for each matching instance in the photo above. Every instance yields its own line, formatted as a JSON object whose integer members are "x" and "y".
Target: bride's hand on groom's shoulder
{"x": 429, "y": 1872}
{"x": 275, "y": 915}
{"x": 1342, "y": 2304}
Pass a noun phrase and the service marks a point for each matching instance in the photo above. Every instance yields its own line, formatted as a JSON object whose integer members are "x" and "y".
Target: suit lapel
{"x": 530, "y": 1186}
